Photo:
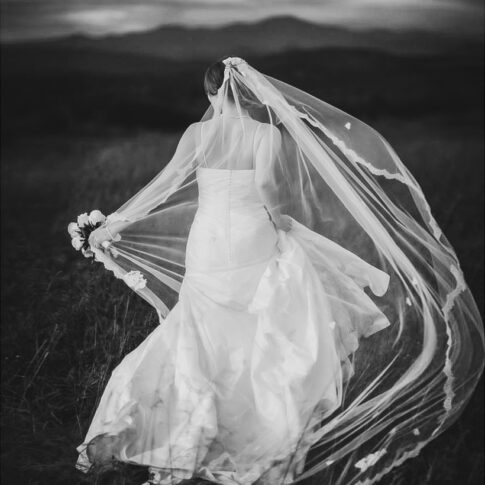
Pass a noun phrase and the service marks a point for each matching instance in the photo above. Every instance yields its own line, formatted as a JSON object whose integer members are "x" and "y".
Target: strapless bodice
{"x": 231, "y": 227}
{"x": 221, "y": 189}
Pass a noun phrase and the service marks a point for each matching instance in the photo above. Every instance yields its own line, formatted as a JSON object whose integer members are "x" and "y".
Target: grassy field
{"x": 67, "y": 322}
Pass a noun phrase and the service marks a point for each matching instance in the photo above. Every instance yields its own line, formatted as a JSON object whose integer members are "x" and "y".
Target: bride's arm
{"x": 148, "y": 197}
{"x": 267, "y": 152}
{"x": 107, "y": 232}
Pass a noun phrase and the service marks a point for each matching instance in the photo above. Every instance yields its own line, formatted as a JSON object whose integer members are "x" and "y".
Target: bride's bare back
{"x": 232, "y": 144}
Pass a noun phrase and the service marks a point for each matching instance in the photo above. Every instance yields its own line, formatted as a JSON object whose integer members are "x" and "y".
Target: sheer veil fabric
{"x": 382, "y": 353}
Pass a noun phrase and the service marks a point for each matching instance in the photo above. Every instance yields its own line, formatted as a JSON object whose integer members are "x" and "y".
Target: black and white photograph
{"x": 242, "y": 242}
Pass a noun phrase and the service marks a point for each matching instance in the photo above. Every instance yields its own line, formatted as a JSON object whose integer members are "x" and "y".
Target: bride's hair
{"x": 214, "y": 76}
{"x": 213, "y": 79}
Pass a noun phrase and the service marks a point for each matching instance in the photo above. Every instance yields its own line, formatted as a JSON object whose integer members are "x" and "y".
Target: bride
{"x": 281, "y": 233}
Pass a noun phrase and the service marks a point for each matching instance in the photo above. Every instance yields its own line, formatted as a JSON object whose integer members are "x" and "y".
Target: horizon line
{"x": 213, "y": 27}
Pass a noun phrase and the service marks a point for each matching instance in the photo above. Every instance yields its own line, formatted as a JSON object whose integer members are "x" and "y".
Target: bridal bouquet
{"x": 82, "y": 229}
{"x": 80, "y": 232}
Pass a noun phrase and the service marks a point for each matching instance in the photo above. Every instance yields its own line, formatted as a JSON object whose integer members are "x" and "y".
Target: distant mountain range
{"x": 153, "y": 80}
{"x": 266, "y": 37}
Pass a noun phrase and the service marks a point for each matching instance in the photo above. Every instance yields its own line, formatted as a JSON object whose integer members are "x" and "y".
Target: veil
{"x": 341, "y": 183}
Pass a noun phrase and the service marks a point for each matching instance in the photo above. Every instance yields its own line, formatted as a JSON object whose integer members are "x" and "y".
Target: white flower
{"x": 83, "y": 219}
{"x": 77, "y": 243}
{"x": 73, "y": 229}
{"x": 135, "y": 280}
{"x": 96, "y": 216}
{"x": 348, "y": 125}
{"x": 87, "y": 253}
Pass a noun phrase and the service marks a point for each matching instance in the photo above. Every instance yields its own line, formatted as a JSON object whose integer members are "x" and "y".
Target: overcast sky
{"x": 35, "y": 19}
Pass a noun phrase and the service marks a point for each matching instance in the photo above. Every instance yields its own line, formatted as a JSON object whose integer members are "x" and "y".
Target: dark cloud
{"x": 22, "y": 19}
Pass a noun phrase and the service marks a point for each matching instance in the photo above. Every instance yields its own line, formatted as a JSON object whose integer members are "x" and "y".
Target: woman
{"x": 261, "y": 358}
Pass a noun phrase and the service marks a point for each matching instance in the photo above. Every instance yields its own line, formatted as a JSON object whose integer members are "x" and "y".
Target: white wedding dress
{"x": 226, "y": 386}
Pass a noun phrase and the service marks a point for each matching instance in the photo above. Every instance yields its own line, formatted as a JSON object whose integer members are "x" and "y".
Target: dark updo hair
{"x": 213, "y": 79}
{"x": 214, "y": 76}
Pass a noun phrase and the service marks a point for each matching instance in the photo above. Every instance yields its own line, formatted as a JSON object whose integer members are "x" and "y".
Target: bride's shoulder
{"x": 268, "y": 127}
{"x": 268, "y": 131}
{"x": 191, "y": 131}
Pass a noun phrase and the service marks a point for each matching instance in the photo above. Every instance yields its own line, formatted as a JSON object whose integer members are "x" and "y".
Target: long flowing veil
{"x": 341, "y": 182}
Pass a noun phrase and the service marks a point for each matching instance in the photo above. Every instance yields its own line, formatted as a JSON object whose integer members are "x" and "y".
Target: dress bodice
{"x": 231, "y": 227}
{"x": 222, "y": 189}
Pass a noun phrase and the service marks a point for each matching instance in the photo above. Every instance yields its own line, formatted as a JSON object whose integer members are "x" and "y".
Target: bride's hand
{"x": 284, "y": 223}
{"x": 98, "y": 236}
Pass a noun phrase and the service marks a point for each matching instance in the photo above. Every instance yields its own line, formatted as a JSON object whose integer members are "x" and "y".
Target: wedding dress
{"x": 225, "y": 388}
{"x": 281, "y": 343}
